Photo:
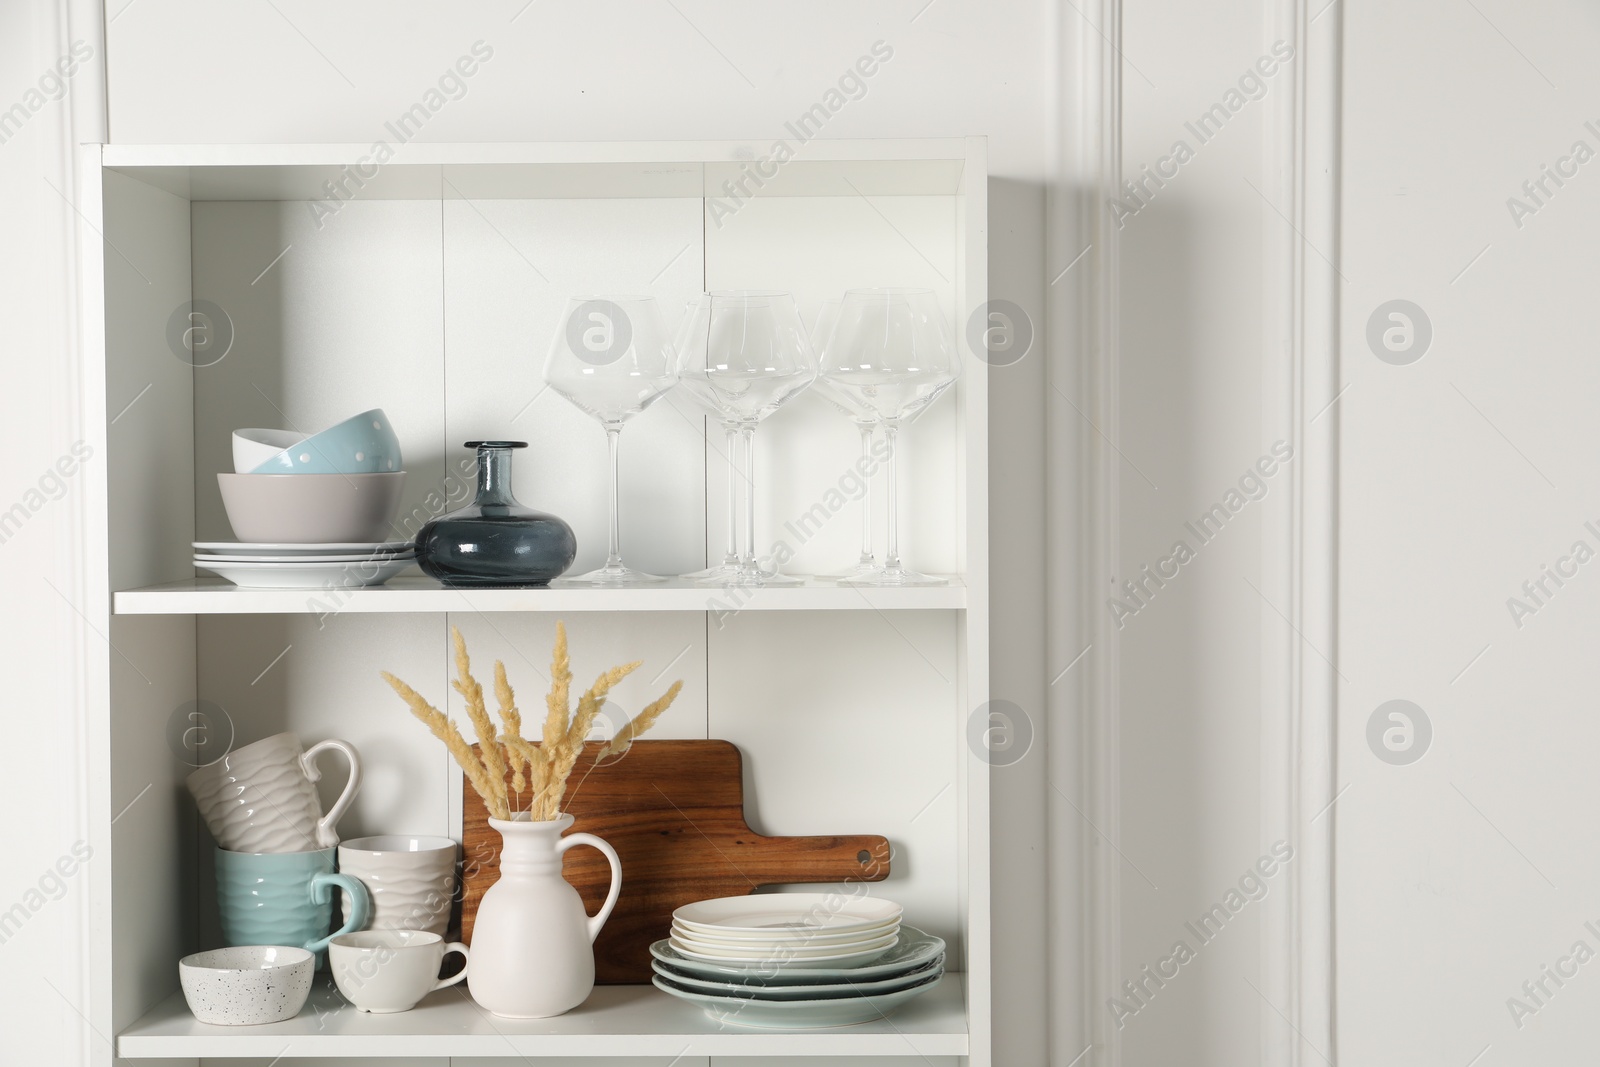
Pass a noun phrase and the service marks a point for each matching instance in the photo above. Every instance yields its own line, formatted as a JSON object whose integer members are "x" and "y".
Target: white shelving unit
{"x": 428, "y": 285}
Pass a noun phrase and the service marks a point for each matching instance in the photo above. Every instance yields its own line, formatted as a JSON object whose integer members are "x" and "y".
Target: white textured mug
{"x": 263, "y": 797}
{"x": 386, "y": 971}
{"x": 412, "y": 880}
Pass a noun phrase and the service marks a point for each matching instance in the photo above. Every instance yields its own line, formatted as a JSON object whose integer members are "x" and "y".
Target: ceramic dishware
{"x": 281, "y": 550}
{"x": 285, "y": 898}
{"x": 796, "y": 1014}
{"x": 532, "y": 913}
{"x": 386, "y": 971}
{"x": 297, "y": 574}
{"x": 766, "y": 914}
{"x": 246, "y": 985}
{"x": 301, "y": 508}
{"x": 252, "y": 448}
{"x": 805, "y": 937}
{"x": 263, "y": 797}
{"x": 913, "y": 949}
{"x": 361, "y": 444}
{"x": 790, "y": 958}
{"x": 765, "y": 990}
{"x": 411, "y": 880}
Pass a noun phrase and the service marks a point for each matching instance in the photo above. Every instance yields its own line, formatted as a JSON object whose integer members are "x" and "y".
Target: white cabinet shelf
{"x": 207, "y": 596}
{"x": 615, "y": 1021}
{"x": 427, "y": 286}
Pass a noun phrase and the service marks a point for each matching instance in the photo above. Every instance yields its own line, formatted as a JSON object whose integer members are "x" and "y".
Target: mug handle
{"x": 322, "y": 886}
{"x": 455, "y": 946}
{"x": 600, "y": 917}
{"x": 327, "y": 832}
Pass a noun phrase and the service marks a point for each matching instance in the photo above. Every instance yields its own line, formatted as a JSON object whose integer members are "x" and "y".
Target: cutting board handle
{"x": 850, "y": 858}
{"x": 598, "y": 920}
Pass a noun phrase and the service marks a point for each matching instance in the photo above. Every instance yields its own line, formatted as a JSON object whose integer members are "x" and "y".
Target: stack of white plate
{"x": 795, "y": 960}
{"x": 345, "y": 565}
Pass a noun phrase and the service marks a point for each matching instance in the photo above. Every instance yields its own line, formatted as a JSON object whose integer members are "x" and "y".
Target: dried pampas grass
{"x": 541, "y": 768}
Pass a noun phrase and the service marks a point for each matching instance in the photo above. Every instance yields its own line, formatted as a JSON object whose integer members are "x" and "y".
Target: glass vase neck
{"x": 494, "y": 471}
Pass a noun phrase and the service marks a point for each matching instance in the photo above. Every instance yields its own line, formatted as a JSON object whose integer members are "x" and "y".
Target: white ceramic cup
{"x": 263, "y": 797}
{"x": 385, "y": 971}
{"x": 412, "y": 880}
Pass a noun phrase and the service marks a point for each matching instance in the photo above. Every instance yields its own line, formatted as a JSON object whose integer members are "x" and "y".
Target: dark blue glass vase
{"x": 495, "y": 541}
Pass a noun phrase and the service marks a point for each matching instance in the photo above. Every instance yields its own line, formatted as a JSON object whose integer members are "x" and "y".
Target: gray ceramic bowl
{"x": 246, "y": 985}
{"x": 311, "y": 508}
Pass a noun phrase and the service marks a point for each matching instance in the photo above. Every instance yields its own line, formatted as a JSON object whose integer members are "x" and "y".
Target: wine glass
{"x": 743, "y": 355}
{"x": 891, "y": 351}
{"x": 866, "y": 421}
{"x": 731, "y": 566}
{"x": 612, "y": 357}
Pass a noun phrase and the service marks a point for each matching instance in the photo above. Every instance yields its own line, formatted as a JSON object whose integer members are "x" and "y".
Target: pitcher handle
{"x": 327, "y": 826}
{"x": 600, "y": 917}
{"x": 322, "y": 886}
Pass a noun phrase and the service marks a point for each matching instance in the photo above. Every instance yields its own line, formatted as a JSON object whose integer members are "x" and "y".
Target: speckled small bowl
{"x": 246, "y": 985}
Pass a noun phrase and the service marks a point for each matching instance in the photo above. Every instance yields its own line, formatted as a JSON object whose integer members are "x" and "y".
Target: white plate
{"x": 804, "y": 938}
{"x": 756, "y": 989}
{"x": 290, "y": 574}
{"x": 772, "y": 914}
{"x": 291, "y": 561}
{"x": 784, "y": 958}
{"x": 915, "y": 949}
{"x": 275, "y": 548}
{"x": 779, "y": 949}
{"x": 796, "y": 1014}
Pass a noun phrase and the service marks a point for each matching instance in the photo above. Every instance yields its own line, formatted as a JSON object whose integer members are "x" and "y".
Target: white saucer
{"x": 294, "y": 574}
{"x": 275, "y": 548}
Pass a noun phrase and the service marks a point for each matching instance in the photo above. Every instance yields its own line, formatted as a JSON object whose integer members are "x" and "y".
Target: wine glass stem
{"x": 614, "y": 559}
{"x": 731, "y": 558}
{"x": 891, "y": 559}
{"x": 866, "y": 494}
{"x": 749, "y": 434}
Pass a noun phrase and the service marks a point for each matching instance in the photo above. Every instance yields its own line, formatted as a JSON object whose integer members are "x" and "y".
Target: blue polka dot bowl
{"x": 247, "y": 985}
{"x": 361, "y": 444}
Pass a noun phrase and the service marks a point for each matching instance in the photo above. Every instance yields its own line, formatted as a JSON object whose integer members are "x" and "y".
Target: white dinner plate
{"x": 290, "y": 574}
{"x": 803, "y": 935}
{"x": 276, "y": 549}
{"x": 914, "y": 949}
{"x": 790, "y": 959}
{"x": 756, "y": 989}
{"x": 796, "y": 1014}
{"x": 800, "y": 944}
{"x": 775, "y": 913}
{"x": 291, "y": 561}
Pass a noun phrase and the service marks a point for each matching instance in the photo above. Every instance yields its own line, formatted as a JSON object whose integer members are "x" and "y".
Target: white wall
{"x": 1464, "y": 873}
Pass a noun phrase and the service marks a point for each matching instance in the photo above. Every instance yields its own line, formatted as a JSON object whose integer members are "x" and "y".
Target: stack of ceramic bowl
{"x": 312, "y": 512}
{"x": 796, "y": 960}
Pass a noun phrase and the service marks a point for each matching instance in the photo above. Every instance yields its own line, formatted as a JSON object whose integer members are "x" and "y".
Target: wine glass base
{"x": 722, "y": 572}
{"x": 859, "y": 571}
{"x": 610, "y": 575}
{"x": 750, "y": 575}
{"x": 898, "y": 576}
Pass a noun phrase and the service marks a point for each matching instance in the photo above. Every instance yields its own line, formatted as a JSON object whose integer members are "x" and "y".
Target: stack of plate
{"x": 346, "y": 565}
{"x": 795, "y": 960}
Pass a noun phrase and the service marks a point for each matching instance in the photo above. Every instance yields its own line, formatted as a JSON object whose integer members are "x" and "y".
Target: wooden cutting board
{"x": 674, "y": 811}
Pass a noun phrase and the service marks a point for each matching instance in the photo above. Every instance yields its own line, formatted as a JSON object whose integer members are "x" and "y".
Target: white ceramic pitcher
{"x": 532, "y": 942}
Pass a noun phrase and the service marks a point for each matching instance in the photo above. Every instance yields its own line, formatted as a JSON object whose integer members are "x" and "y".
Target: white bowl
{"x": 246, "y": 985}
{"x": 252, "y": 448}
{"x": 301, "y": 508}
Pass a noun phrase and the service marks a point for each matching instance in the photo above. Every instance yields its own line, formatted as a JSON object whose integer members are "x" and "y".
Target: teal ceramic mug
{"x": 286, "y": 898}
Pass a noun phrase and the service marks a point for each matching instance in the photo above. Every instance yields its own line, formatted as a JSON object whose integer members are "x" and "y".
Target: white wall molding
{"x": 1299, "y": 676}
{"x": 1081, "y": 523}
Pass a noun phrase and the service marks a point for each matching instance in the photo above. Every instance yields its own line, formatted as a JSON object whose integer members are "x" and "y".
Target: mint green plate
{"x": 914, "y": 949}
{"x": 796, "y": 1014}
{"x": 756, "y": 989}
